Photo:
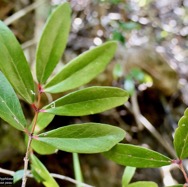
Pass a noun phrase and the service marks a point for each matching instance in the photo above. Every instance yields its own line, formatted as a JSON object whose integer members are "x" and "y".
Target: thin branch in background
{"x": 22, "y": 12}
{"x": 141, "y": 120}
{"x": 57, "y": 176}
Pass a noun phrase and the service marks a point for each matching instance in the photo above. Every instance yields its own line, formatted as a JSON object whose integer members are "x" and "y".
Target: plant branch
{"x": 143, "y": 121}
{"x": 26, "y": 158}
{"x": 23, "y": 12}
{"x": 58, "y": 176}
{"x": 183, "y": 171}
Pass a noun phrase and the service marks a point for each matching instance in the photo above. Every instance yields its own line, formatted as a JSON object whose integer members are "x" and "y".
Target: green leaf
{"x": 43, "y": 121}
{"x": 136, "y": 156}
{"x": 43, "y": 148}
{"x": 10, "y": 109}
{"x": 117, "y": 35}
{"x": 42, "y": 172}
{"x": 52, "y": 42}
{"x": 14, "y": 66}
{"x": 83, "y": 138}
{"x": 127, "y": 175}
{"x": 18, "y": 175}
{"x": 82, "y": 69}
{"x": 143, "y": 184}
{"x": 90, "y": 100}
{"x": 77, "y": 169}
{"x": 181, "y": 137}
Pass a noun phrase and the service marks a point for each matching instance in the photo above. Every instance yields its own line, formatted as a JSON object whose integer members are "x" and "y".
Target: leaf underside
{"x": 10, "y": 108}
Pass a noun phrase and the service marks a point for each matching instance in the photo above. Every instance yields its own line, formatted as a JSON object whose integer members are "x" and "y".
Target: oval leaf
{"x": 181, "y": 137}
{"x": 14, "y": 65}
{"x": 83, "y": 138}
{"x": 52, "y": 42}
{"x": 88, "y": 101}
{"x": 136, "y": 156}
{"x": 82, "y": 69}
{"x": 143, "y": 184}
{"x": 10, "y": 109}
{"x": 39, "y": 169}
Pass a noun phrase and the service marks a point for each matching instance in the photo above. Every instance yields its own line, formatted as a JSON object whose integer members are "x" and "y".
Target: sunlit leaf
{"x": 82, "y": 69}
{"x": 181, "y": 137}
{"x": 127, "y": 175}
{"x": 136, "y": 156}
{"x": 52, "y": 42}
{"x": 14, "y": 66}
{"x": 10, "y": 109}
{"x": 90, "y": 100}
{"x": 42, "y": 172}
{"x": 83, "y": 138}
{"x": 143, "y": 184}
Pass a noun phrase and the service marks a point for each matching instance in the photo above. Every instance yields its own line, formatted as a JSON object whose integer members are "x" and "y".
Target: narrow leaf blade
{"x": 136, "y": 156}
{"x": 53, "y": 42}
{"x": 88, "y": 101}
{"x": 43, "y": 121}
{"x": 14, "y": 65}
{"x": 181, "y": 137}
{"x": 83, "y": 138}
{"x": 127, "y": 175}
{"x": 82, "y": 69}
{"x": 41, "y": 170}
{"x": 143, "y": 184}
{"x": 10, "y": 109}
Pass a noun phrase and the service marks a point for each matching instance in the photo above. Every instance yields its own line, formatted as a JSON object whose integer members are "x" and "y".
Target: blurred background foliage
{"x": 151, "y": 63}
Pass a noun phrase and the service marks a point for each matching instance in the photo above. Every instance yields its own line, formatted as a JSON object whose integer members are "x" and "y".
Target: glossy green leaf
{"x": 18, "y": 175}
{"x": 52, "y": 42}
{"x": 10, "y": 109}
{"x": 90, "y": 100}
{"x": 127, "y": 175}
{"x": 82, "y": 69}
{"x": 181, "y": 137}
{"x": 41, "y": 170}
{"x": 136, "y": 156}
{"x": 14, "y": 66}
{"x": 143, "y": 184}
{"x": 43, "y": 121}
{"x": 83, "y": 138}
{"x": 43, "y": 148}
